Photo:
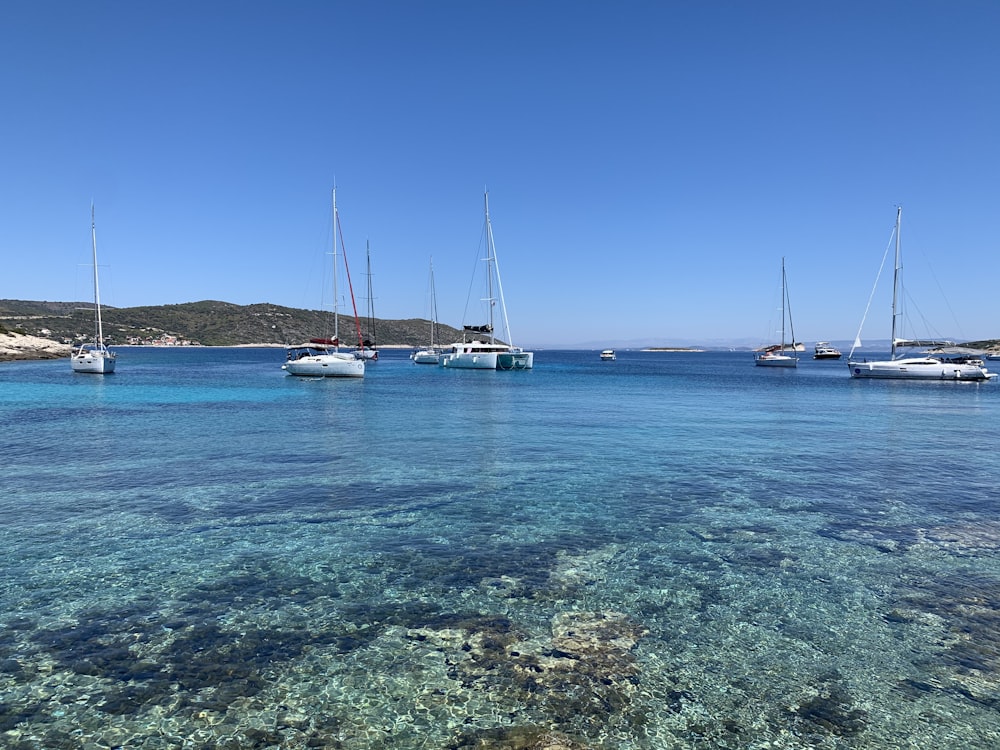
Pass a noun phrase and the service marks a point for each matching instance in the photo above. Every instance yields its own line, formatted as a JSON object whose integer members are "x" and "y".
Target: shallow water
{"x": 673, "y": 550}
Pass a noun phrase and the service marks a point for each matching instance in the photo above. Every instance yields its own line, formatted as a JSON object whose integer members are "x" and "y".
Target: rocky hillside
{"x": 209, "y": 322}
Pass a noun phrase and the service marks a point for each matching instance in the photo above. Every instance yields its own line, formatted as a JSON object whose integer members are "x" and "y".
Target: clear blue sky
{"x": 649, "y": 163}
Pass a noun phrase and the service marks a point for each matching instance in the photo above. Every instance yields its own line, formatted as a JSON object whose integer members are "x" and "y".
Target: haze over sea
{"x": 674, "y": 550}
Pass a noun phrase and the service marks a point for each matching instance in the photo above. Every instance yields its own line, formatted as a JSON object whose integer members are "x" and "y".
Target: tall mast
{"x": 98, "y": 327}
{"x": 336, "y": 224}
{"x": 787, "y": 303}
{"x": 895, "y": 283}
{"x": 494, "y": 265}
{"x": 434, "y": 308}
{"x": 489, "y": 263}
{"x": 371, "y": 298}
{"x": 783, "y": 298}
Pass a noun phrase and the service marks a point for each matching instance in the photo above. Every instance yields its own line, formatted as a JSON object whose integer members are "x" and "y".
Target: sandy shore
{"x": 14, "y": 346}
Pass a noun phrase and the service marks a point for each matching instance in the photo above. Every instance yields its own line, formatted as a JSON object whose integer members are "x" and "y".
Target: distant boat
{"x": 479, "y": 349}
{"x": 94, "y": 357}
{"x": 608, "y": 355}
{"x": 321, "y": 357}
{"x": 369, "y": 346}
{"x": 774, "y": 356}
{"x": 431, "y": 355}
{"x": 938, "y": 365}
{"x": 824, "y": 350}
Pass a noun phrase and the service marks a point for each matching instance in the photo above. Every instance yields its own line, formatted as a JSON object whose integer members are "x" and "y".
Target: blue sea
{"x": 674, "y": 550}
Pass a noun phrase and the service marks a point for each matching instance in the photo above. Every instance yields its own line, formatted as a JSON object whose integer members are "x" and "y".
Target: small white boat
{"x": 824, "y": 350}
{"x": 939, "y": 364}
{"x": 608, "y": 355}
{"x": 774, "y": 356}
{"x": 431, "y": 355}
{"x": 321, "y": 357}
{"x": 487, "y": 353}
{"x": 94, "y": 357}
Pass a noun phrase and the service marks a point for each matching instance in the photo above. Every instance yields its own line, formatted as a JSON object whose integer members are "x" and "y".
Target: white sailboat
{"x": 369, "y": 346}
{"x": 937, "y": 365}
{"x": 321, "y": 357}
{"x": 431, "y": 355}
{"x": 94, "y": 357}
{"x": 479, "y": 348}
{"x": 774, "y": 356}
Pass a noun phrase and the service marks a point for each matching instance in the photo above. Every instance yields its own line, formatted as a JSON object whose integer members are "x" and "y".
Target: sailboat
{"x": 94, "y": 357}
{"x": 934, "y": 365}
{"x": 431, "y": 355}
{"x": 479, "y": 348}
{"x": 321, "y": 357}
{"x": 369, "y": 346}
{"x": 774, "y": 356}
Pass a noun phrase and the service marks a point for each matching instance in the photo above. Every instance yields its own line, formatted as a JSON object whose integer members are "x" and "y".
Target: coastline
{"x": 18, "y": 347}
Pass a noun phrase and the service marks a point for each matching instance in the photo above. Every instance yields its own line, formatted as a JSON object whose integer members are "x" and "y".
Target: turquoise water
{"x": 674, "y": 550}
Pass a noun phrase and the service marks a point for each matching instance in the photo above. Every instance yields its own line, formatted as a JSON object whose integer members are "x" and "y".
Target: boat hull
{"x": 470, "y": 360}
{"x": 340, "y": 365}
{"x": 515, "y": 360}
{"x": 426, "y": 357}
{"x": 919, "y": 368}
{"x": 776, "y": 360}
{"x": 94, "y": 363}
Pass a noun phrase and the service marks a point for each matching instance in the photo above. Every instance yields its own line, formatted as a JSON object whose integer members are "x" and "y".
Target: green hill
{"x": 208, "y": 322}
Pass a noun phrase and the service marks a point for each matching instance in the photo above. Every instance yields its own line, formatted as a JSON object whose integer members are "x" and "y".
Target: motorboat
{"x": 608, "y": 355}
{"x": 824, "y": 350}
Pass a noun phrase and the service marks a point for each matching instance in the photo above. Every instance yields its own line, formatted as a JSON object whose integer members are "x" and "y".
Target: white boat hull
{"x": 336, "y": 365}
{"x": 95, "y": 363}
{"x": 777, "y": 360}
{"x": 919, "y": 368}
{"x": 426, "y": 357}
{"x": 470, "y": 360}
{"x": 515, "y": 360}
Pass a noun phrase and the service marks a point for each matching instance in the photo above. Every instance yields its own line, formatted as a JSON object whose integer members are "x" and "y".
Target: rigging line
{"x": 472, "y": 280}
{"x": 357, "y": 323}
{"x": 857, "y": 338}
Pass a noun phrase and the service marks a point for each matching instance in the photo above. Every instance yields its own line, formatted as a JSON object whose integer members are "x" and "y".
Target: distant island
{"x": 207, "y": 323}
{"x": 671, "y": 349}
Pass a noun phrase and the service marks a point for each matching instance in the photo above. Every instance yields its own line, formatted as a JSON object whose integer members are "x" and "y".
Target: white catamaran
{"x": 479, "y": 348}
{"x": 94, "y": 357}
{"x": 943, "y": 363}
{"x": 321, "y": 357}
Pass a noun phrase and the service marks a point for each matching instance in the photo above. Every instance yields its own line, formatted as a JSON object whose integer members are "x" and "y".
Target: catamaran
{"x": 479, "y": 348}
